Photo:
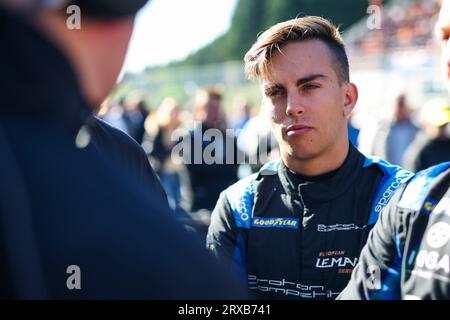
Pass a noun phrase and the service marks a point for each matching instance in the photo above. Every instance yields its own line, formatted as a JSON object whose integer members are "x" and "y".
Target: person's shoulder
{"x": 413, "y": 125}
{"x": 383, "y": 125}
{"x": 119, "y": 146}
{"x": 105, "y": 128}
{"x": 386, "y": 168}
{"x": 116, "y": 138}
{"x": 419, "y": 186}
{"x": 246, "y": 187}
{"x": 425, "y": 153}
{"x": 243, "y": 186}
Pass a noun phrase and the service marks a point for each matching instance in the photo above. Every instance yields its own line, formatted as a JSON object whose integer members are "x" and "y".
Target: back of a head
{"x": 84, "y": 32}
{"x": 258, "y": 58}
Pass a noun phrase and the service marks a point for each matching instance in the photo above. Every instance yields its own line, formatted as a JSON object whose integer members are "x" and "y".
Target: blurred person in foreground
{"x": 295, "y": 229}
{"x": 82, "y": 215}
{"x": 407, "y": 255}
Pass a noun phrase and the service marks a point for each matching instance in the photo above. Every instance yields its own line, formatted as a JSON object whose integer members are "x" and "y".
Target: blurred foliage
{"x": 252, "y": 17}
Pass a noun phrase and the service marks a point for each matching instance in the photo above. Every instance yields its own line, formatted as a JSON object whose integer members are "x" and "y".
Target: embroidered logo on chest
{"x": 291, "y": 223}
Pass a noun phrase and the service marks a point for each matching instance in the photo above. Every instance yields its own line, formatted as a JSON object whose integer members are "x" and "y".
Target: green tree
{"x": 276, "y": 11}
{"x": 248, "y": 20}
{"x": 252, "y": 17}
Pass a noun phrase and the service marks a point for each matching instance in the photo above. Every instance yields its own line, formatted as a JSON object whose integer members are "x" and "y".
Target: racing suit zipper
{"x": 305, "y": 209}
{"x": 301, "y": 233}
{"x": 306, "y": 217}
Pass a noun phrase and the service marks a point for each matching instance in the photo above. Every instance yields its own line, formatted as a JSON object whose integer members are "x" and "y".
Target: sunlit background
{"x": 180, "y": 47}
{"x": 169, "y": 30}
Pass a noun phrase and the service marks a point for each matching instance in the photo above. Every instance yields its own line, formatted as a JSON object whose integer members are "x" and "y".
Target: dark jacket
{"x": 432, "y": 153}
{"x": 293, "y": 237}
{"x": 207, "y": 179}
{"x": 407, "y": 255}
{"x": 75, "y": 192}
{"x": 124, "y": 153}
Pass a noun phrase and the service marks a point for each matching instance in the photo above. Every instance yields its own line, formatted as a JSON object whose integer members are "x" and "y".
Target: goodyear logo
{"x": 291, "y": 223}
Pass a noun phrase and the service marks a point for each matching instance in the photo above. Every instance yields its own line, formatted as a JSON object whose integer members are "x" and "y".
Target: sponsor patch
{"x": 438, "y": 235}
{"x": 291, "y": 223}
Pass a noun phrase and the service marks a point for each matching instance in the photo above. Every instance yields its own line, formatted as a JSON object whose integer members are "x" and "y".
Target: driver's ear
{"x": 350, "y": 98}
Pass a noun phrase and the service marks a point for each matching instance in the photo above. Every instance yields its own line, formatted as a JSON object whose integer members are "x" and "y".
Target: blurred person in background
{"x": 432, "y": 146}
{"x": 134, "y": 115}
{"x": 241, "y": 114}
{"x": 207, "y": 179}
{"x": 112, "y": 113}
{"x": 295, "y": 229}
{"x": 393, "y": 136}
{"x": 258, "y": 143}
{"x": 158, "y": 144}
{"x": 75, "y": 193}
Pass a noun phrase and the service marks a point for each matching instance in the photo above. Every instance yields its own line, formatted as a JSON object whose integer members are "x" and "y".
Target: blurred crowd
{"x": 402, "y": 26}
{"x": 239, "y": 142}
{"x": 415, "y": 137}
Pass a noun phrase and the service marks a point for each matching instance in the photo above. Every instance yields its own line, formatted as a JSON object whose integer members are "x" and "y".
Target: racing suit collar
{"x": 326, "y": 187}
{"x": 303, "y": 179}
{"x": 37, "y": 79}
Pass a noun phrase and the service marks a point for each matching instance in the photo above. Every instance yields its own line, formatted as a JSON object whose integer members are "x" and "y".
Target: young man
{"x": 408, "y": 253}
{"x": 81, "y": 213}
{"x": 296, "y": 228}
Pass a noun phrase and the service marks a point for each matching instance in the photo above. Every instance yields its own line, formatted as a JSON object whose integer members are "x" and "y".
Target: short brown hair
{"x": 258, "y": 58}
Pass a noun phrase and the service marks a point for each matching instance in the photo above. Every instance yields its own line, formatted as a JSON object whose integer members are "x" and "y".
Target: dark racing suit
{"x": 407, "y": 255}
{"x": 289, "y": 236}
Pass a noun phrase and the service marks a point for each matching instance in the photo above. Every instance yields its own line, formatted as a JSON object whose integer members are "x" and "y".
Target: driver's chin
{"x": 300, "y": 153}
